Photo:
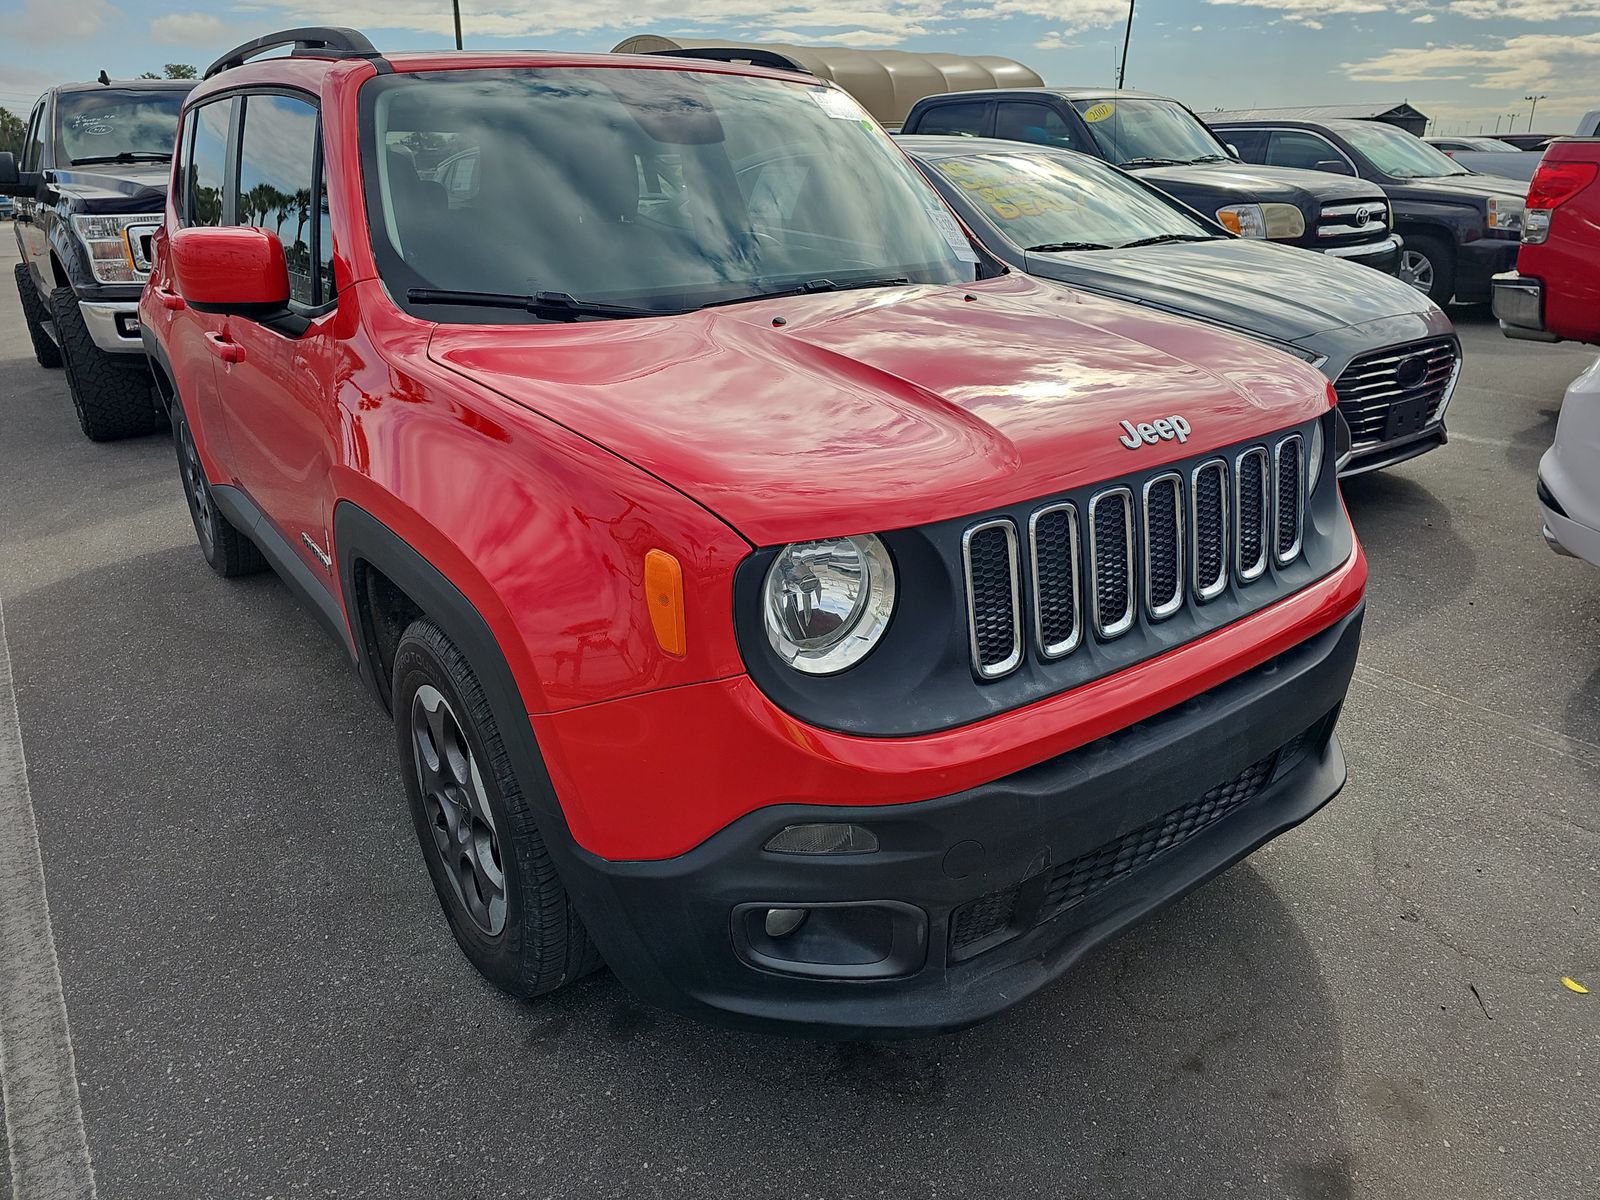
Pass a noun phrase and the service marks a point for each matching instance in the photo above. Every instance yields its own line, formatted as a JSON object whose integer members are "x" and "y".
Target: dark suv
{"x": 89, "y": 194}
{"x": 1168, "y": 146}
{"x": 1460, "y": 228}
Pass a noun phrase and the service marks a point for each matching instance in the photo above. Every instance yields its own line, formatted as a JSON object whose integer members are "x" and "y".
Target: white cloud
{"x": 189, "y": 29}
{"x": 1525, "y": 10}
{"x": 1424, "y": 19}
{"x": 44, "y": 22}
{"x": 1530, "y": 60}
{"x": 1053, "y": 41}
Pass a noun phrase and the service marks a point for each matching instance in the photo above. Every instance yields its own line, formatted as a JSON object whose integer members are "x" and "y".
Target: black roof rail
{"x": 738, "y": 54}
{"x": 311, "y": 41}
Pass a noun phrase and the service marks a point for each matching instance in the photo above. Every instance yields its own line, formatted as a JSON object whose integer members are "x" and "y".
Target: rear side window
{"x": 1036, "y": 123}
{"x": 207, "y": 163}
{"x": 961, "y": 120}
{"x": 277, "y": 192}
{"x": 1250, "y": 143}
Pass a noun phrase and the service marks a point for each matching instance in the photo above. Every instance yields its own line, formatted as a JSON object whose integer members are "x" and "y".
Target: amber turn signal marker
{"x": 663, "y": 589}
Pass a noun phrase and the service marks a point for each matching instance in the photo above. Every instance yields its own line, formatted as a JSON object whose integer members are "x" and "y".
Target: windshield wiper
{"x": 1169, "y": 237}
{"x": 811, "y": 286}
{"x": 1212, "y": 158}
{"x": 551, "y": 305}
{"x": 127, "y": 156}
{"x": 1053, "y": 247}
{"x": 1153, "y": 162}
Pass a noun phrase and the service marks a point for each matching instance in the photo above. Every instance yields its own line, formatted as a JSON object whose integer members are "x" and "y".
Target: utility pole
{"x": 1127, "y": 34}
{"x": 455, "y": 6}
{"x": 1535, "y": 108}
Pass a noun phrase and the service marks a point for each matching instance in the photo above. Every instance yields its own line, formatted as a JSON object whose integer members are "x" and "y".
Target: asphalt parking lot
{"x": 265, "y": 1001}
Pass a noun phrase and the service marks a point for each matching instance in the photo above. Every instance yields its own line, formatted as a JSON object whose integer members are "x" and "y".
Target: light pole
{"x": 1127, "y": 34}
{"x": 455, "y": 6}
{"x": 1498, "y": 117}
{"x": 1535, "y": 108}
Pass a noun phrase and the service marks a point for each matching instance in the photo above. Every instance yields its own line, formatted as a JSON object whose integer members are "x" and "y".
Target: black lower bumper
{"x": 976, "y": 900}
{"x": 1387, "y": 454}
{"x": 1478, "y": 262}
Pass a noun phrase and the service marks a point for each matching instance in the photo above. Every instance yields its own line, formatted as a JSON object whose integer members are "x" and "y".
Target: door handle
{"x": 170, "y": 300}
{"x": 228, "y": 351}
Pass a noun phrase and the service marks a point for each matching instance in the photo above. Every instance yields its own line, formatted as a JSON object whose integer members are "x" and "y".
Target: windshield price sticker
{"x": 838, "y": 105}
{"x": 953, "y": 234}
{"x": 1099, "y": 112}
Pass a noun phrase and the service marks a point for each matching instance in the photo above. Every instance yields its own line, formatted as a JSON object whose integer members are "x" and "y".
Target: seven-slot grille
{"x": 1171, "y": 541}
{"x": 1373, "y": 383}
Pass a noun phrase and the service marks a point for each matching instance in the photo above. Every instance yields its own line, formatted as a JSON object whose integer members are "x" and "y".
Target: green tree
{"x": 147, "y": 75}
{"x": 180, "y": 71}
{"x": 12, "y": 130}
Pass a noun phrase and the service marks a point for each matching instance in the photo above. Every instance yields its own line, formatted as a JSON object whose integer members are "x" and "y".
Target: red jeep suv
{"x": 776, "y": 598}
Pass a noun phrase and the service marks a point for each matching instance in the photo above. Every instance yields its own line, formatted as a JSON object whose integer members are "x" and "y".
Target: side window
{"x": 1308, "y": 151}
{"x": 33, "y": 148}
{"x": 962, "y": 120}
{"x": 276, "y": 159}
{"x": 1039, "y": 123}
{"x": 207, "y": 163}
{"x": 326, "y": 288}
{"x": 1250, "y": 143}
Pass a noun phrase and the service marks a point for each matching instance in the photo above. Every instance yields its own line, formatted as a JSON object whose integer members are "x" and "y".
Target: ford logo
{"x": 1411, "y": 373}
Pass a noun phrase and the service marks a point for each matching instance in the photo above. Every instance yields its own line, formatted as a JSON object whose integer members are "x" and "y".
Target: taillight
{"x": 1554, "y": 183}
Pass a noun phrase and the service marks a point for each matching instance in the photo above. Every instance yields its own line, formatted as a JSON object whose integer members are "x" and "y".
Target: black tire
{"x": 539, "y": 944}
{"x": 1438, "y": 258}
{"x": 34, "y": 315}
{"x": 229, "y": 552}
{"x": 114, "y": 399}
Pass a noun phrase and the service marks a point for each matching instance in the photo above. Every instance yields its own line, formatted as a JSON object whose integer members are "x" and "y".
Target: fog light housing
{"x": 781, "y": 922}
{"x": 865, "y": 939}
{"x": 823, "y": 839}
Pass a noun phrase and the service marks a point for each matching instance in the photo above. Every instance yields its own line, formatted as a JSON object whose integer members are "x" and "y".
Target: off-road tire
{"x": 542, "y": 944}
{"x": 1441, "y": 257}
{"x": 228, "y": 552}
{"x": 34, "y": 315}
{"x": 113, "y": 399}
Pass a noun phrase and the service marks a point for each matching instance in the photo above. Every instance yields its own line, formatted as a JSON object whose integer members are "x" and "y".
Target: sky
{"x": 1466, "y": 63}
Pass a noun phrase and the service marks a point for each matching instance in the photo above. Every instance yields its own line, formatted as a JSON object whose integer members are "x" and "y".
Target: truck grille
{"x": 1153, "y": 551}
{"x": 1424, "y": 373}
{"x": 1354, "y": 220}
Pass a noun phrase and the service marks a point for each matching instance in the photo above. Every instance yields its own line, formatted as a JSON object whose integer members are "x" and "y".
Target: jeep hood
{"x": 873, "y": 410}
{"x": 115, "y": 187}
{"x": 1278, "y": 291}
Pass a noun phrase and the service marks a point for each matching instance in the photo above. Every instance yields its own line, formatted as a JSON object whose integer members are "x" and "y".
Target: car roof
{"x": 1066, "y": 93}
{"x": 143, "y": 85}
{"x": 937, "y": 146}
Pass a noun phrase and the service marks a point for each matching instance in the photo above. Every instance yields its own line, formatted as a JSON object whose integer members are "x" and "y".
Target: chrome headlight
{"x": 1314, "y": 464}
{"x": 1274, "y": 221}
{"x": 111, "y": 254}
{"x": 827, "y": 604}
{"x": 1505, "y": 215}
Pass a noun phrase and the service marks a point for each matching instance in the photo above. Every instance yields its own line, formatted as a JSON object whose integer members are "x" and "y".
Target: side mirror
{"x": 1336, "y": 166}
{"x": 231, "y": 269}
{"x": 1233, "y": 151}
{"x": 10, "y": 180}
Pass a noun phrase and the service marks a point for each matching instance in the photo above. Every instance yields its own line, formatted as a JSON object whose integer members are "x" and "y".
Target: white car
{"x": 1569, "y": 472}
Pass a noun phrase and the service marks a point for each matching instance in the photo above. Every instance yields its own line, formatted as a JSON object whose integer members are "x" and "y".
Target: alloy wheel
{"x": 1417, "y": 270}
{"x": 197, "y": 490}
{"x": 458, "y": 810}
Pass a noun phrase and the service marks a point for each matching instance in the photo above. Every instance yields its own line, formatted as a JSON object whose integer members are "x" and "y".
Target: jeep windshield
{"x": 1148, "y": 133}
{"x": 1046, "y": 203}
{"x": 656, "y": 191}
{"x": 115, "y": 125}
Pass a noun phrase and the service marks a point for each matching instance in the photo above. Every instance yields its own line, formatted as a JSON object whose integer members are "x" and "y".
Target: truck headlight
{"x": 1505, "y": 215}
{"x": 1275, "y": 221}
{"x": 111, "y": 257}
{"x": 828, "y": 603}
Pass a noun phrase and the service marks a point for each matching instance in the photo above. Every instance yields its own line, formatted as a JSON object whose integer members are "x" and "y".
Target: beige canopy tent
{"x": 885, "y": 82}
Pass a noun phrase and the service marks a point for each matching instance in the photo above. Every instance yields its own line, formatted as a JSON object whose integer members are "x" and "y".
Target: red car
{"x": 775, "y": 597}
{"x": 1554, "y": 294}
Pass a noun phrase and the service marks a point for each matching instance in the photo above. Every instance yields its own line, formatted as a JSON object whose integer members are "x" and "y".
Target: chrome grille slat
{"x": 1053, "y": 553}
{"x": 1111, "y": 581}
{"x": 1161, "y": 511}
{"x": 994, "y": 601}
{"x": 1131, "y": 553}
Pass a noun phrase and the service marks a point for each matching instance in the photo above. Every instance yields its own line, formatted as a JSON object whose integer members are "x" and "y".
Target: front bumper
{"x": 1478, "y": 262}
{"x": 977, "y": 899}
{"x": 113, "y": 325}
{"x": 1383, "y": 256}
{"x": 1569, "y": 472}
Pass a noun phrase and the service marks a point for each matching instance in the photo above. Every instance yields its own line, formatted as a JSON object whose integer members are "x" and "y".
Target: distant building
{"x": 885, "y": 82}
{"x": 1402, "y": 114}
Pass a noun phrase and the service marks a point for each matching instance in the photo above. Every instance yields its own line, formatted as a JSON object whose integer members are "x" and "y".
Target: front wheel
{"x": 490, "y": 867}
{"x": 1428, "y": 265}
{"x": 111, "y": 392}
{"x": 34, "y": 316}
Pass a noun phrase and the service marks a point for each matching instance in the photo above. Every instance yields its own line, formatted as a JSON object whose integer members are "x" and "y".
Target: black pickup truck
{"x": 89, "y": 192}
{"x": 1167, "y": 146}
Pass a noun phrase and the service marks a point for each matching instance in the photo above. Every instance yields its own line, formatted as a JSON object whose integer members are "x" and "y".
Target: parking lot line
{"x": 49, "y": 1151}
